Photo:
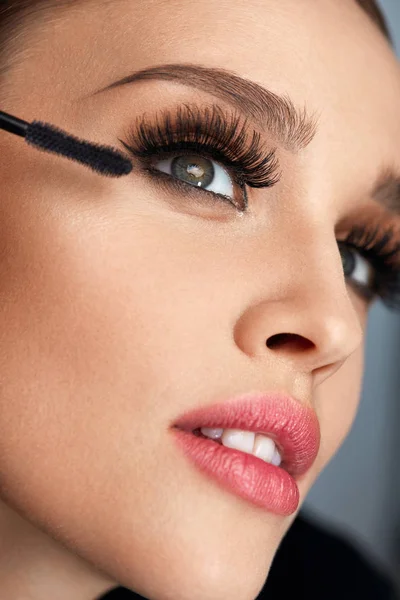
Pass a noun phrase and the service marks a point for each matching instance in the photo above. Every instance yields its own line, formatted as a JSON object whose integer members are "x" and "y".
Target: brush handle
{"x": 13, "y": 124}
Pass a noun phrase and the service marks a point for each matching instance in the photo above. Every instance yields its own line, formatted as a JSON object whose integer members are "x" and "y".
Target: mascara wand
{"x": 43, "y": 136}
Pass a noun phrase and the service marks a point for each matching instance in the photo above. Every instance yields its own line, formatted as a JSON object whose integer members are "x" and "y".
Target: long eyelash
{"x": 376, "y": 246}
{"x": 207, "y": 131}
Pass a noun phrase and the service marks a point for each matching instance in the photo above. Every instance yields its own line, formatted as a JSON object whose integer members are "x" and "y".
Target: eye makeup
{"x": 209, "y": 132}
{"x": 380, "y": 245}
{"x": 217, "y": 135}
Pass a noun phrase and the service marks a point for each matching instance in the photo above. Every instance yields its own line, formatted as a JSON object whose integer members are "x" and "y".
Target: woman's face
{"x": 126, "y": 303}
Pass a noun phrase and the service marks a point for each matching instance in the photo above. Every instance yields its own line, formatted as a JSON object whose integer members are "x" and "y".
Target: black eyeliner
{"x": 209, "y": 131}
{"x": 375, "y": 244}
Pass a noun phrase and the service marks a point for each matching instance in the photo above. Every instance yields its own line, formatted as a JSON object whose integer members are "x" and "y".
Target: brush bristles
{"x": 102, "y": 159}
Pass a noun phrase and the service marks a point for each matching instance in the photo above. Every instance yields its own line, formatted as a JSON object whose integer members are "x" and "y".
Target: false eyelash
{"x": 207, "y": 131}
{"x": 376, "y": 246}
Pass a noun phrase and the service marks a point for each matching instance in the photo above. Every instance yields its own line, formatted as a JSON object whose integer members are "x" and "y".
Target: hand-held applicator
{"x": 102, "y": 159}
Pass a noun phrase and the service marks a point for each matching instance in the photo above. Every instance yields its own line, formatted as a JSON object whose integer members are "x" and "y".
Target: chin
{"x": 201, "y": 566}
{"x": 213, "y": 580}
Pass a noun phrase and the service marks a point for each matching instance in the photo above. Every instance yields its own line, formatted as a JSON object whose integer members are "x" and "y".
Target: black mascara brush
{"x": 102, "y": 159}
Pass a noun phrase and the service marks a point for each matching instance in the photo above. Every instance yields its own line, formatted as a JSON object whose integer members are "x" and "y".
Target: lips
{"x": 293, "y": 426}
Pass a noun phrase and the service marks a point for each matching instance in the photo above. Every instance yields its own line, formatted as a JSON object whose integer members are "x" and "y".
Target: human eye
{"x": 203, "y": 173}
{"x": 204, "y": 154}
{"x": 371, "y": 262}
{"x": 208, "y": 156}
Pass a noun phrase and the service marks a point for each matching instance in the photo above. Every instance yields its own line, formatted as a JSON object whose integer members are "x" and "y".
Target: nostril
{"x": 297, "y": 342}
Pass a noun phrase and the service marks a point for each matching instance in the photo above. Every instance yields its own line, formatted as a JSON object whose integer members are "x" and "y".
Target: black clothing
{"x": 315, "y": 564}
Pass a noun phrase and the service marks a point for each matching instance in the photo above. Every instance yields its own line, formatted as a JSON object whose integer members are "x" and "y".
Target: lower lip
{"x": 264, "y": 485}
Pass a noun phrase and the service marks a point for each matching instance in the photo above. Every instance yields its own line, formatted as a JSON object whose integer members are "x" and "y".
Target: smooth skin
{"x": 122, "y": 307}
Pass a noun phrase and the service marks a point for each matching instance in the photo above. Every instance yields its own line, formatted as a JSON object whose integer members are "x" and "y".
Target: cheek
{"x": 85, "y": 352}
{"x": 337, "y": 401}
{"x": 104, "y": 340}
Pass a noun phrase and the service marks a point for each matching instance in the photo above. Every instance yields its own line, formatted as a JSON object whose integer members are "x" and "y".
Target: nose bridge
{"x": 320, "y": 293}
{"x": 306, "y": 298}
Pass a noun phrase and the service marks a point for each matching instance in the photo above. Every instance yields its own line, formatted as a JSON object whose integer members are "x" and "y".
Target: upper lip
{"x": 293, "y": 426}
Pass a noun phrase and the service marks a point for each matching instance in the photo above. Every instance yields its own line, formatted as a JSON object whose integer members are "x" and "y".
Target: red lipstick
{"x": 293, "y": 427}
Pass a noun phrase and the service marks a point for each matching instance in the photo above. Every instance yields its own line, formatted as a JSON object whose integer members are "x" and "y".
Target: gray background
{"x": 358, "y": 494}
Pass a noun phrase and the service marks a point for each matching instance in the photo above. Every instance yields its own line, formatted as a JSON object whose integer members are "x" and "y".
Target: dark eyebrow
{"x": 293, "y": 128}
{"x": 387, "y": 190}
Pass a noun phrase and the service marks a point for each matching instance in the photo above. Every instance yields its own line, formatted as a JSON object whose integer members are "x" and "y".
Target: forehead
{"x": 287, "y": 43}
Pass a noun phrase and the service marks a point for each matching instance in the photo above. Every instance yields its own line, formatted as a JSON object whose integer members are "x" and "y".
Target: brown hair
{"x": 373, "y": 10}
{"x": 15, "y": 13}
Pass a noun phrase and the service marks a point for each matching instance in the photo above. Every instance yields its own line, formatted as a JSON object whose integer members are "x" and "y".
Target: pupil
{"x": 348, "y": 260}
{"x": 193, "y": 169}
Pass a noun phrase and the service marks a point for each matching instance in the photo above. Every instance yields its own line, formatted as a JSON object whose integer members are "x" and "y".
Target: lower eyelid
{"x": 199, "y": 195}
{"x": 235, "y": 176}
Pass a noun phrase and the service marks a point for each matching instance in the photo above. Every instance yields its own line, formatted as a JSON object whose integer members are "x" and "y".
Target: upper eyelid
{"x": 385, "y": 191}
{"x": 294, "y": 128}
{"x": 238, "y": 139}
{"x": 162, "y": 114}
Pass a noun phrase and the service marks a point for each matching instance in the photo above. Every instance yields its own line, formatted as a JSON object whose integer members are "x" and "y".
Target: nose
{"x": 305, "y": 317}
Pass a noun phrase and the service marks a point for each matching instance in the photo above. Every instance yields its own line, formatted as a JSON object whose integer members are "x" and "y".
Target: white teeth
{"x": 276, "y": 459}
{"x": 264, "y": 448}
{"x": 214, "y": 434}
{"x": 246, "y": 441}
{"x": 240, "y": 440}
